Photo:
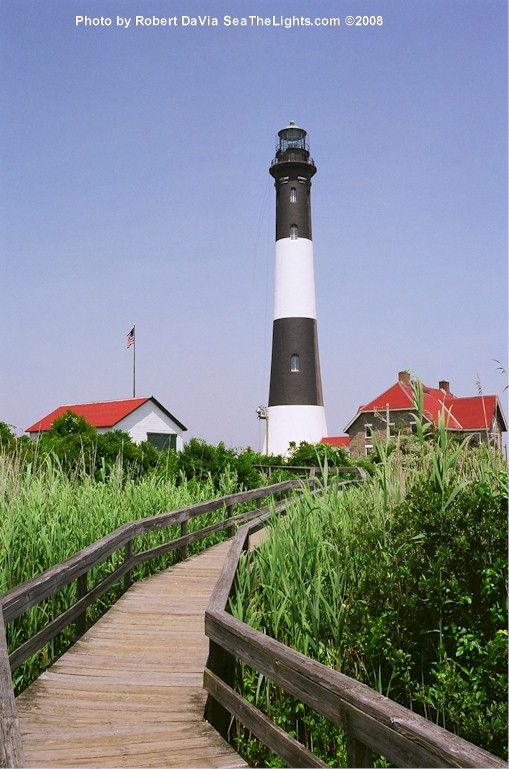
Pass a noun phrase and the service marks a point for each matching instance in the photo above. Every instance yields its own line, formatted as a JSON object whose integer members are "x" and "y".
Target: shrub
{"x": 400, "y": 583}
{"x": 314, "y": 454}
{"x": 201, "y": 460}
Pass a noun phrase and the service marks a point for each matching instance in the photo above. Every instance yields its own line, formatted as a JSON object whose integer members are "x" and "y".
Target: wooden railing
{"x": 22, "y": 598}
{"x": 372, "y": 723}
{"x": 311, "y": 472}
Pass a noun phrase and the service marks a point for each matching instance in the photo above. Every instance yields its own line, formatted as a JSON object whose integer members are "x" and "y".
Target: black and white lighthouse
{"x": 295, "y": 411}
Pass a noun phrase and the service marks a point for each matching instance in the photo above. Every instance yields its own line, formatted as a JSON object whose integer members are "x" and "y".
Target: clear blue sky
{"x": 135, "y": 190}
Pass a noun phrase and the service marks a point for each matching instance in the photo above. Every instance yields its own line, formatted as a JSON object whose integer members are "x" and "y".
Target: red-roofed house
{"x": 145, "y": 419}
{"x": 393, "y": 411}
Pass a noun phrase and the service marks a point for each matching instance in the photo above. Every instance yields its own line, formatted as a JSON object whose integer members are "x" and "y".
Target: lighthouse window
{"x": 295, "y": 363}
{"x": 293, "y": 195}
{"x": 294, "y": 232}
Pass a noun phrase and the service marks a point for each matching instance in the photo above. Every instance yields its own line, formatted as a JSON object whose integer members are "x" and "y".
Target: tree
{"x": 314, "y": 454}
{"x": 73, "y": 440}
{"x": 7, "y": 437}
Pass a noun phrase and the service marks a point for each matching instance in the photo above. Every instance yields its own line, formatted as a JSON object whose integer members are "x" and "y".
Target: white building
{"x": 144, "y": 419}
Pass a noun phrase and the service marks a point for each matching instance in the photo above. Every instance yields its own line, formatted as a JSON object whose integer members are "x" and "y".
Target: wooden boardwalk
{"x": 129, "y": 692}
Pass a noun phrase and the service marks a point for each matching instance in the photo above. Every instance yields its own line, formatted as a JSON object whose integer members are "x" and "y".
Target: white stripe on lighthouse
{"x": 294, "y": 279}
{"x": 294, "y": 423}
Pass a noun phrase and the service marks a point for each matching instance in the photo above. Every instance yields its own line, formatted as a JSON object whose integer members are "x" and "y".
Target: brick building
{"x": 393, "y": 411}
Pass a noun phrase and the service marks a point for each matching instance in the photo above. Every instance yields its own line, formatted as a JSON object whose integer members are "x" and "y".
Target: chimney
{"x": 444, "y": 386}
{"x": 404, "y": 378}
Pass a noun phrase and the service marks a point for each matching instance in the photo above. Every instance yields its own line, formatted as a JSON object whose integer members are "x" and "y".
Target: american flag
{"x": 130, "y": 337}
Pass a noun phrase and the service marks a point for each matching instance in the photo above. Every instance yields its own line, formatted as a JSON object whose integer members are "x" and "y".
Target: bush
{"x": 202, "y": 460}
{"x": 431, "y": 619}
{"x": 7, "y": 437}
{"x": 315, "y": 454}
{"x": 399, "y": 583}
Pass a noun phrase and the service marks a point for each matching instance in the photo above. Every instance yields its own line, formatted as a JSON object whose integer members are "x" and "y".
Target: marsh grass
{"x": 47, "y": 514}
{"x": 400, "y": 583}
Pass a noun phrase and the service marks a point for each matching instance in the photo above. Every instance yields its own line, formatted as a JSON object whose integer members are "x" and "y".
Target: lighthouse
{"x": 295, "y": 410}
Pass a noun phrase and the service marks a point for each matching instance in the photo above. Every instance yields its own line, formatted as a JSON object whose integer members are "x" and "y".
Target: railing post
{"x": 82, "y": 588}
{"x": 222, "y": 664}
{"x": 183, "y": 532}
{"x": 229, "y": 514}
{"x": 11, "y": 747}
{"x": 128, "y": 553}
{"x": 357, "y": 754}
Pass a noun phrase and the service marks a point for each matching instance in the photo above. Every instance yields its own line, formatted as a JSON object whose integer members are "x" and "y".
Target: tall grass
{"x": 400, "y": 583}
{"x": 47, "y": 515}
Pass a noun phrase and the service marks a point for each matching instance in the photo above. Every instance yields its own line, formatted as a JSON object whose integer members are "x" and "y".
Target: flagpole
{"x": 134, "y": 362}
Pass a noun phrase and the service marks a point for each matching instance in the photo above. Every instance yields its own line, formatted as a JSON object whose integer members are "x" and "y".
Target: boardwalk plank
{"x": 129, "y": 693}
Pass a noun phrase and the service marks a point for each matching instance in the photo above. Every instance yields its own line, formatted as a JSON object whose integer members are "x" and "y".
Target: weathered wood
{"x": 357, "y": 754}
{"x": 219, "y": 661}
{"x": 194, "y": 536}
{"x": 81, "y": 591}
{"x": 271, "y": 735}
{"x": 128, "y": 554}
{"x": 229, "y": 515}
{"x": 11, "y": 747}
{"x": 223, "y": 585}
{"x": 23, "y": 597}
{"x": 223, "y": 665}
{"x": 311, "y": 471}
{"x": 183, "y": 547}
{"x": 53, "y": 628}
{"x": 381, "y": 724}
{"x": 129, "y": 693}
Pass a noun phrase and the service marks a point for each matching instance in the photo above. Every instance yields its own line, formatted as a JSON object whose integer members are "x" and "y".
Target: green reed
{"x": 47, "y": 515}
{"x": 398, "y": 583}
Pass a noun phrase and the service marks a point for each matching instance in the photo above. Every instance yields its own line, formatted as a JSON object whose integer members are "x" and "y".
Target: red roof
{"x": 101, "y": 414}
{"x": 475, "y": 413}
{"x": 339, "y": 440}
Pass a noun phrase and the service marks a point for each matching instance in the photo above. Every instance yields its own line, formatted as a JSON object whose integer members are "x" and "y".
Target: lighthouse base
{"x": 293, "y": 424}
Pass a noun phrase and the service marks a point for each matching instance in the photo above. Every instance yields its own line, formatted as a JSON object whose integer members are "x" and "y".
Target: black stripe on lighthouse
{"x": 295, "y": 370}
{"x": 293, "y": 202}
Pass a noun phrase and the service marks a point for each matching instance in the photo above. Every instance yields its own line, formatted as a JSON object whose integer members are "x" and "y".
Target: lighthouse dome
{"x": 292, "y": 131}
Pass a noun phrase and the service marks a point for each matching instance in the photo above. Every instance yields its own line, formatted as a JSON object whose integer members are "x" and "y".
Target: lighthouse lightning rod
{"x": 134, "y": 363}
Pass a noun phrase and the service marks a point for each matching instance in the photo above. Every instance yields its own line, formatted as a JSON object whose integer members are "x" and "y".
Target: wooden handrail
{"x": 23, "y": 597}
{"x": 372, "y": 722}
{"x": 312, "y": 471}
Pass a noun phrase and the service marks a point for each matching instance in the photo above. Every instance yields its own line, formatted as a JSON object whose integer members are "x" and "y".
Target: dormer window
{"x": 294, "y": 232}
